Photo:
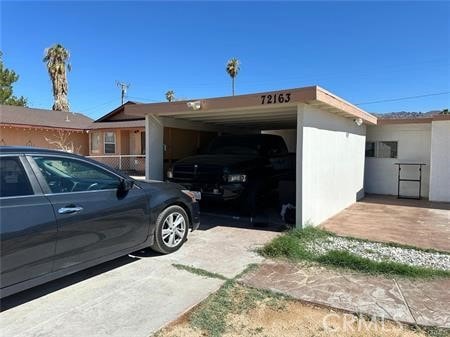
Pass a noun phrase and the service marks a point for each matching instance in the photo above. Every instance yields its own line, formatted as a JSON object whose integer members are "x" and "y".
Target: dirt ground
{"x": 287, "y": 318}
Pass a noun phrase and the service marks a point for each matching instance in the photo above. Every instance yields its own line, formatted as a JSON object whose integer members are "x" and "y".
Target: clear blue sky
{"x": 360, "y": 51}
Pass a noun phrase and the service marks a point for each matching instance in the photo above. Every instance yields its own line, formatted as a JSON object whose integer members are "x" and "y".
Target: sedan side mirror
{"x": 124, "y": 186}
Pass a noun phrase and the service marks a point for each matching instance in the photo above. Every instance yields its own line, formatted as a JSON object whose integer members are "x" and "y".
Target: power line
{"x": 99, "y": 105}
{"x": 145, "y": 99}
{"x": 405, "y": 98}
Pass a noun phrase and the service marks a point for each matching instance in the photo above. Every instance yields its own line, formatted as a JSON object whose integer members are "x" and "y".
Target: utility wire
{"x": 99, "y": 105}
{"x": 404, "y": 98}
{"x": 145, "y": 99}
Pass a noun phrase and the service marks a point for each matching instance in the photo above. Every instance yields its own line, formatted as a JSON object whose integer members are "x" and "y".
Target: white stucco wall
{"x": 330, "y": 164}
{"x": 154, "y": 157}
{"x": 440, "y": 161}
{"x": 414, "y": 144}
{"x": 289, "y": 136}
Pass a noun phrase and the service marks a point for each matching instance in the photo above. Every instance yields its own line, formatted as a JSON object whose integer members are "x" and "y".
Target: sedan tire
{"x": 171, "y": 231}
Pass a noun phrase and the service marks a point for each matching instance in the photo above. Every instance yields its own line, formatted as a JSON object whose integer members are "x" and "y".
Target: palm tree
{"x": 170, "y": 96}
{"x": 233, "y": 69}
{"x": 56, "y": 58}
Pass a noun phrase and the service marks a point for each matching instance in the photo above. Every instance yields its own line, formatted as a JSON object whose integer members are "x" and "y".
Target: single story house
{"x": 22, "y": 126}
{"x": 120, "y": 142}
{"x": 342, "y": 150}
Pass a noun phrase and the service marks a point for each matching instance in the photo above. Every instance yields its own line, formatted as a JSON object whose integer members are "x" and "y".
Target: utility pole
{"x": 123, "y": 89}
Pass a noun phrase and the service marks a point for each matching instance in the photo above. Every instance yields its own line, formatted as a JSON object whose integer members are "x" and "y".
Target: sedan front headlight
{"x": 194, "y": 195}
{"x": 236, "y": 178}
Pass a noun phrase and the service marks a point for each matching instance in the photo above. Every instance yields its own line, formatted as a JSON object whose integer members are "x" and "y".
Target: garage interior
{"x": 326, "y": 132}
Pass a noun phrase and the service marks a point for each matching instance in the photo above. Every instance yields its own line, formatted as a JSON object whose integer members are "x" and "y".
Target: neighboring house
{"x": 119, "y": 141}
{"x": 119, "y": 144}
{"x": 23, "y": 126}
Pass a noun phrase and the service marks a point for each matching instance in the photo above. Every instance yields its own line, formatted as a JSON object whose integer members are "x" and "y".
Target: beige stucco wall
{"x": 16, "y": 136}
{"x": 128, "y": 141}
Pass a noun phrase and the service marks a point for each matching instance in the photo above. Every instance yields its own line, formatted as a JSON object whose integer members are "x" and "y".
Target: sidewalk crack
{"x": 405, "y": 301}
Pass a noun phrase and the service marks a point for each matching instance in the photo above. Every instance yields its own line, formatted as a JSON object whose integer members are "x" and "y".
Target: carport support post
{"x": 154, "y": 154}
{"x": 299, "y": 169}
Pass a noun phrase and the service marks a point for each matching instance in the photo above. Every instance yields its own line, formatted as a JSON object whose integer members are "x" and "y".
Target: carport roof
{"x": 252, "y": 110}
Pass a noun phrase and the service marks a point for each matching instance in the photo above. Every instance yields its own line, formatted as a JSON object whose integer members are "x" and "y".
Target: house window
{"x": 382, "y": 149}
{"x": 142, "y": 142}
{"x": 370, "y": 149}
{"x": 110, "y": 142}
{"x": 95, "y": 141}
{"x": 387, "y": 150}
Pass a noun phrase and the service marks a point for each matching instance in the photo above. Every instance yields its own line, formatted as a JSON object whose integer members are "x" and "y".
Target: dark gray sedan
{"x": 61, "y": 213}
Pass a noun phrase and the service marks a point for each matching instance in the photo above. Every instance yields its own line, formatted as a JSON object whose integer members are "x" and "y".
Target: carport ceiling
{"x": 252, "y": 111}
{"x": 285, "y": 117}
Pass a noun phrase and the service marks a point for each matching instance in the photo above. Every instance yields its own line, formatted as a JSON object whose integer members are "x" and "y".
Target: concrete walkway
{"x": 424, "y": 302}
{"x": 134, "y": 296}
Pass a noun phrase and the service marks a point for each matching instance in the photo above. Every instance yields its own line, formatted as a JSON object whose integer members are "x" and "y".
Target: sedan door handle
{"x": 69, "y": 210}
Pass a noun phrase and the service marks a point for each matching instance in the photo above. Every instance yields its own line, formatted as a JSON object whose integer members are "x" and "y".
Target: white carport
{"x": 330, "y": 139}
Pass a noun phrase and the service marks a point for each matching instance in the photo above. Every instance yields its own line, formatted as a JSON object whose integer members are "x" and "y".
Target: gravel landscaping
{"x": 381, "y": 252}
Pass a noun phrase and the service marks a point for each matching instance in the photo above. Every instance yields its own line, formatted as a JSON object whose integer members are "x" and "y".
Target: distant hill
{"x": 408, "y": 114}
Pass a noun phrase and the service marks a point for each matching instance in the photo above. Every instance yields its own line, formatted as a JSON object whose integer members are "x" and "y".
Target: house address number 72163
{"x": 276, "y": 98}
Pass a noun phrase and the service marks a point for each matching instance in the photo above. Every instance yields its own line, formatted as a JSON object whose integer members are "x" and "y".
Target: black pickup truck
{"x": 243, "y": 167}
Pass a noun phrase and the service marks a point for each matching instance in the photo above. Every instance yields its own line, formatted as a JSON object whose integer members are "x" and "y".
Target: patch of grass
{"x": 292, "y": 246}
{"x": 231, "y": 298}
{"x": 436, "y": 332}
{"x": 344, "y": 259}
{"x": 199, "y": 271}
{"x": 211, "y": 315}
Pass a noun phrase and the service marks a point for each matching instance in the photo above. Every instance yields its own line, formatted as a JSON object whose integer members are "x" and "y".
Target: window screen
{"x": 387, "y": 150}
{"x": 110, "y": 142}
{"x": 13, "y": 178}
{"x": 95, "y": 141}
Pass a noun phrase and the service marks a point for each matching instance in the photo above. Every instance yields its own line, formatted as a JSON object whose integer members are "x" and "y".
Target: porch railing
{"x": 132, "y": 164}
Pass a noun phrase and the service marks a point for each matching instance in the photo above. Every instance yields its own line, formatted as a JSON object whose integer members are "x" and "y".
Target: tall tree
{"x": 57, "y": 58}
{"x": 7, "y": 78}
{"x": 232, "y": 70}
{"x": 170, "y": 96}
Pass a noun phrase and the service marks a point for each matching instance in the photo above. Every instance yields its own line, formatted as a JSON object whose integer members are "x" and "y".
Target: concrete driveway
{"x": 134, "y": 296}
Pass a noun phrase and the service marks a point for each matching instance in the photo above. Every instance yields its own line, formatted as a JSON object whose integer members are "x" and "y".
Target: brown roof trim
{"x": 42, "y": 127}
{"x": 220, "y": 103}
{"x": 327, "y": 97}
{"x": 423, "y": 120}
{"x": 297, "y": 95}
{"x": 441, "y": 117}
{"x": 106, "y": 128}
